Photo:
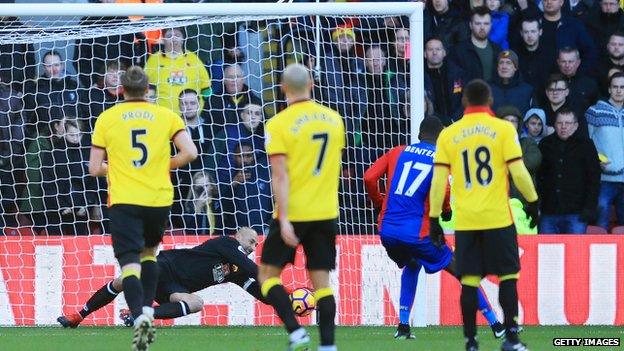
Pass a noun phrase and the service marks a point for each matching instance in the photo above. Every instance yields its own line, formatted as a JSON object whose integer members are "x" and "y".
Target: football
{"x": 303, "y": 301}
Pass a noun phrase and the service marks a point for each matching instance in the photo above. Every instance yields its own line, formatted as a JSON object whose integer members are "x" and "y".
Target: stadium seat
{"x": 593, "y": 229}
{"x": 19, "y": 231}
{"x": 618, "y": 230}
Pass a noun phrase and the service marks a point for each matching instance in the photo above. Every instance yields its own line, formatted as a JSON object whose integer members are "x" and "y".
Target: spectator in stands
{"x": 536, "y": 60}
{"x": 152, "y": 93}
{"x": 445, "y": 23}
{"x": 67, "y": 190}
{"x": 31, "y": 199}
{"x": 557, "y": 98}
{"x": 174, "y": 69}
{"x": 614, "y": 59}
{"x": 103, "y": 95}
{"x": 583, "y": 89}
{"x": 606, "y": 129}
{"x": 500, "y": 24}
{"x": 92, "y": 55}
{"x": 200, "y": 134}
{"x": 381, "y": 129}
{"x": 398, "y": 61}
{"x": 531, "y": 154}
{"x": 12, "y": 139}
{"x": 245, "y": 191}
{"x": 17, "y": 61}
{"x": 53, "y": 89}
{"x": 249, "y": 130}
{"x": 477, "y": 56}
{"x": 343, "y": 82}
{"x": 201, "y": 211}
{"x": 561, "y": 31}
{"x": 446, "y": 81}
{"x": 534, "y": 125}
{"x": 604, "y": 20}
{"x": 508, "y": 88}
{"x": 221, "y": 110}
{"x": 568, "y": 180}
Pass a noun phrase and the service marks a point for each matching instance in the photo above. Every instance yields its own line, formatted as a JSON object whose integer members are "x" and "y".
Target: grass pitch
{"x": 274, "y": 338}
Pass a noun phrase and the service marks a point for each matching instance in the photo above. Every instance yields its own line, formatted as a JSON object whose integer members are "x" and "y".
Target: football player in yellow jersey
{"x": 479, "y": 151}
{"x": 304, "y": 143}
{"x": 135, "y": 136}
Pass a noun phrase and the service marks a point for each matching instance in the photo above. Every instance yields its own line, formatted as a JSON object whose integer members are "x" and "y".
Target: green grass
{"x": 274, "y": 338}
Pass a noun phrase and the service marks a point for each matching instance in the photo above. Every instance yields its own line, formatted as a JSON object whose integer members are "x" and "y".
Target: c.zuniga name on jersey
{"x": 137, "y": 114}
{"x": 474, "y": 130}
{"x": 308, "y": 118}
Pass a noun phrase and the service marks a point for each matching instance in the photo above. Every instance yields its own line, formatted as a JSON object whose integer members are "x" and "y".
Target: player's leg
{"x": 105, "y": 295}
{"x": 179, "y": 305}
{"x": 154, "y": 219}
{"x": 319, "y": 244}
{"x": 501, "y": 248}
{"x": 484, "y": 305}
{"x": 468, "y": 254}
{"x": 275, "y": 255}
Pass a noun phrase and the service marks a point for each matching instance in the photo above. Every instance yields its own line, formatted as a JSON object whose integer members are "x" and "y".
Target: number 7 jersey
{"x": 477, "y": 149}
{"x": 137, "y": 138}
{"x": 312, "y": 137}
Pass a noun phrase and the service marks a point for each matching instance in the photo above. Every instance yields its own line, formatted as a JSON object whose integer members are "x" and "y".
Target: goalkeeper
{"x": 183, "y": 272}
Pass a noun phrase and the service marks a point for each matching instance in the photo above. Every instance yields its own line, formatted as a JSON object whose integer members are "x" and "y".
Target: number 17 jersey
{"x": 137, "y": 138}
{"x": 406, "y": 199}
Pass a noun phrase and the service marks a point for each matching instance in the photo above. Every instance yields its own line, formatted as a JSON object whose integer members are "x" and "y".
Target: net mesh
{"x": 222, "y": 75}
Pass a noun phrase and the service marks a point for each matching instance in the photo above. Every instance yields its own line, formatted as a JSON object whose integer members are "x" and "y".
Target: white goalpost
{"x": 60, "y": 69}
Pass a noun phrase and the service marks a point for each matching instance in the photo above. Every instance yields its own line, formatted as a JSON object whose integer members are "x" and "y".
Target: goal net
{"x": 221, "y": 73}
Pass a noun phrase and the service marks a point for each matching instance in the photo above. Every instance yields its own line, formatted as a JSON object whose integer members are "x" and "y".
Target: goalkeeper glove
{"x": 435, "y": 232}
{"x": 532, "y": 212}
{"x": 447, "y": 215}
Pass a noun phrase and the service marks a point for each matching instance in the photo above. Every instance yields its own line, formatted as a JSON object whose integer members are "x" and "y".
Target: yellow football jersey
{"x": 172, "y": 75}
{"x": 477, "y": 149}
{"x": 136, "y": 136}
{"x": 312, "y": 137}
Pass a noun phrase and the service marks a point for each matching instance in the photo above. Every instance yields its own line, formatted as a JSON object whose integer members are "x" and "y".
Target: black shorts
{"x": 167, "y": 284}
{"x": 484, "y": 252}
{"x": 134, "y": 227}
{"x": 318, "y": 239}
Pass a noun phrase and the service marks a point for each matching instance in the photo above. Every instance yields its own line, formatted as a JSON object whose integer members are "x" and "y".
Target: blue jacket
{"x": 516, "y": 93}
{"x": 500, "y": 28}
{"x": 606, "y": 128}
{"x": 571, "y": 32}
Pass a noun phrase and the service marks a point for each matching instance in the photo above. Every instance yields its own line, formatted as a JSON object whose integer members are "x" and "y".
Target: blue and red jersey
{"x": 405, "y": 207}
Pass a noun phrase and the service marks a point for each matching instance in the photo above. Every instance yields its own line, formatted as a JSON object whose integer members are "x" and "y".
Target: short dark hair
{"x": 430, "y": 126}
{"x": 188, "y": 91}
{"x": 569, "y": 50}
{"x": 615, "y": 75}
{"x": 566, "y": 111}
{"x": 134, "y": 81}
{"x": 116, "y": 65}
{"x": 51, "y": 53}
{"x": 531, "y": 19}
{"x": 477, "y": 93}
{"x": 480, "y": 11}
{"x": 617, "y": 33}
{"x": 435, "y": 37}
{"x": 554, "y": 78}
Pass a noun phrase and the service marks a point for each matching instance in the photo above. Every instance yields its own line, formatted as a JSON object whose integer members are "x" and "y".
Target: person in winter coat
{"x": 606, "y": 128}
{"x": 507, "y": 87}
{"x": 531, "y": 154}
{"x": 500, "y": 24}
{"x": 534, "y": 125}
{"x": 568, "y": 180}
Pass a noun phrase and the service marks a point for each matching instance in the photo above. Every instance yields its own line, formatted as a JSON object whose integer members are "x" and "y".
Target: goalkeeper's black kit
{"x": 213, "y": 262}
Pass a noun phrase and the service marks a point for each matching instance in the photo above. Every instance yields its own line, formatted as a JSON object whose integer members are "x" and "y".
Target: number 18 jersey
{"x": 406, "y": 198}
{"x": 137, "y": 138}
{"x": 477, "y": 149}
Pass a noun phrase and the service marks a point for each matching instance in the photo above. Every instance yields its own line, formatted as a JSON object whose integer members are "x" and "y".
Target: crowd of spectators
{"x": 556, "y": 69}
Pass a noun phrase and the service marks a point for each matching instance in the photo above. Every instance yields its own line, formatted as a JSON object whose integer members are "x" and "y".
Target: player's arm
{"x": 522, "y": 179}
{"x": 438, "y": 189}
{"x": 187, "y": 151}
{"x": 371, "y": 180}
{"x": 233, "y": 255}
{"x": 280, "y": 181}
{"x": 97, "y": 166}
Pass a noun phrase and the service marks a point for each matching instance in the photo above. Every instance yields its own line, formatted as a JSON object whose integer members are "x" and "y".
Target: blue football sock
{"x": 485, "y": 307}
{"x": 409, "y": 280}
